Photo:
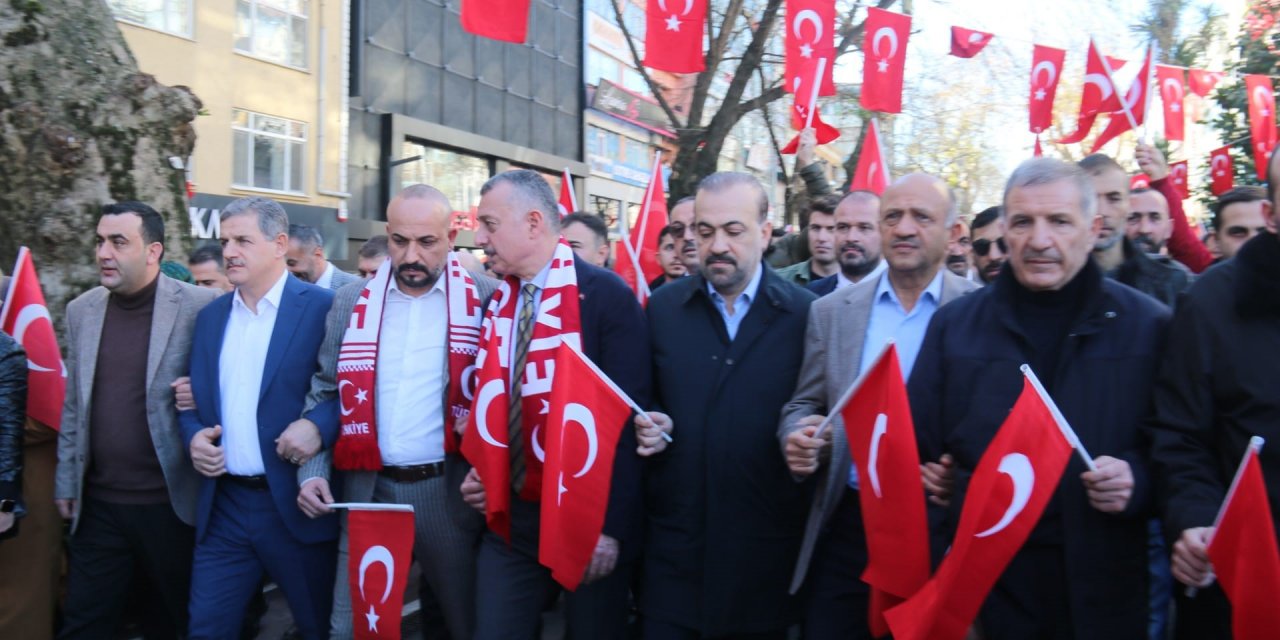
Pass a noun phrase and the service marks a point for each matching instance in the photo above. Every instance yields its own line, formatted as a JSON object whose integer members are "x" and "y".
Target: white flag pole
{"x": 642, "y": 287}
{"x": 1254, "y": 448}
{"x": 1067, "y": 431}
{"x": 573, "y": 193}
{"x": 813, "y": 94}
{"x": 853, "y": 388}
{"x": 1106, "y": 67}
{"x": 1146, "y": 107}
{"x": 622, "y": 395}
{"x": 371, "y": 506}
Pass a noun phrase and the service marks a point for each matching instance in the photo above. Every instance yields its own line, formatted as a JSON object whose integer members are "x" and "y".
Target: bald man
{"x": 414, "y": 414}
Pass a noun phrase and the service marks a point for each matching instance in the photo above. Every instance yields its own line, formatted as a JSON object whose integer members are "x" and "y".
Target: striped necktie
{"x": 515, "y": 432}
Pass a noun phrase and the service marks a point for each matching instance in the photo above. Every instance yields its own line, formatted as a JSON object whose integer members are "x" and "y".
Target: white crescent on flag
{"x": 378, "y": 554}
{"x": 873, "y": 460}
{"x": 1100, "y": 81}
{"x": 885, "y": 32}
{"x": 1047, "y": 67}
{"x": 1263, "y": 97}
{"x": 975, "y": 38}
{"x": 22, "y": 321}
{"x": 488, "y": 392}
{"x": 1018, "y": 467}
{"x": 1213, "y": 165}
{"x": 581, "y": 415}
{"x": 1171, "y": 89}
{"x": 688, "y": 6}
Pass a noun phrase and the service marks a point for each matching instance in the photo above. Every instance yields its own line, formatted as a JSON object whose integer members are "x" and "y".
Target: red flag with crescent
{"x": 25, "y": 317}
{"x": 872, "y": 173}
{"x": 506, "y": 20}
{"x": 587, "y": 416}
{"x": 1098, "y": 95}
{"x": 1244, "y": 554}
{"x": 379, "y": 550}
{"x": 885, "y": 56}
{"x": 1139, "y": 181}
{"x": 824, "y": 132}
{"x": 673, "y": 35}
{"x": 810, "y": 36}
{"x": 1009, "y": 489}
{"x": 882, "y": 441}
{"x": 1202, "y": 82}
{"x": 1262, "y": 120}
{"x": 1046, "y": 70}
{"x": 568, "y": 201}
{"x": 1134, "y": 100}
{"x": 1172, "y": 93}
{"x": 638, "y": 258}
{"x": 1222, "y": 173}
{"x": 967, "y": 43}
{"x": 1178, "y": 174}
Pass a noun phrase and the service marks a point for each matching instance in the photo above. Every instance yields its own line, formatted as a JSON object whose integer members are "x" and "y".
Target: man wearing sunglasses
{"x": 987, "y": 243}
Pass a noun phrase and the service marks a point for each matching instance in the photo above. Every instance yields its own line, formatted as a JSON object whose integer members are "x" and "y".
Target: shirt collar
{"x": 540, "y": 280}
{"x": 748, "y": 294}
{"x": 273, "y": 294}
{"x": 326, "y": 276}
{"x": 933, "y": 291}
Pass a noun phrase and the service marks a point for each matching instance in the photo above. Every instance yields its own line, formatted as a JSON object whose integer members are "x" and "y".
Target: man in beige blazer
{"x": 845, "y": 333}
{"x": 123, "y": 477}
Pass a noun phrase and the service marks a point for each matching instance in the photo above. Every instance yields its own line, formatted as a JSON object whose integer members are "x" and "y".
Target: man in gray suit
{"x": 123, "y": 477}
{"x": 845, "y": 334}
{"x": 414, "y": 418}
{"x": 307, "y": 262}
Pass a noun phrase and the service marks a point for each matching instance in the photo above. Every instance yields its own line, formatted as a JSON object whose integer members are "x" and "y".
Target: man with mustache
{"x": 822, "y": 250}
{"x": 682, "y": 229}
{"x": 958, "y": 252}
{"x": 1148, "y": 224}
{"x": 1094, "y": 344}
{"x": 857, "y": 241}
{"x": 723, "y": 515}
{"x": 987, "y": 244}
{"x": 845, "y": 334}
{"x": 414, "y": 378}
{"x": 1115, "y": 254}
{"x": 308, "y": 263}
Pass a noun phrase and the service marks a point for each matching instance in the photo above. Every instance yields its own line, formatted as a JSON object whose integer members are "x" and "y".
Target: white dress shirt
{"x": 326, "y": 278}
{"x": 411, "y": 376}
{"x": 244, "y": 354}
{"x": 842, "y": 281}
{"x": 741, "y": 306}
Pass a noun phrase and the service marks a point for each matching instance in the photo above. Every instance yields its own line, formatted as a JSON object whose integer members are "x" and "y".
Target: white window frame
{"x": 288, "y": 153}
{"x": 252, "y": 52}
{"x": 191, "y": 19}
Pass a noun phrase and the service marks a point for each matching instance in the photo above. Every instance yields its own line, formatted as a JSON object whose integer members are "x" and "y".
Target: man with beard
{"x": 1115, "y": 254}
{"x": 958, "y": 253}
{"x": 1238, "y": 217}
{"x": 1148, "y": 224}
{"x": 308, "y": 263}
{"x": 857, "y": 242}
{"x": 682, "y": 230}
{"x": 987, "y": 242}
{"x": 723, "y": 515}
{"x": 668, "y": 259}
{"x": 429, "y": 303}
{"x": 845, "y": 334}
{"x": 822, "y": 252}
{"x": 1094, "y": 344}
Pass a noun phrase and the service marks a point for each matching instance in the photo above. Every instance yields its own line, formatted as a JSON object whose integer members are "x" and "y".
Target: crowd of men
{"x": 201, "y": 442}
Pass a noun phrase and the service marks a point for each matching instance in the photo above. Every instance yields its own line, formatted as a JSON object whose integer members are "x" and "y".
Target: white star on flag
{"x": 1175, "y": 108}
{"x": 882, "y": 66}
{"x": 361, "y": 396}
{"x": 373, "y": 618}
{"x": 1039, "y": 94}
{"x": 673, "y": 23}
{"x": 806, "y": 51}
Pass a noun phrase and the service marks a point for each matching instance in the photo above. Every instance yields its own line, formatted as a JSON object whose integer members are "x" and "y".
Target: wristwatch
{"x": 7, "y": 505}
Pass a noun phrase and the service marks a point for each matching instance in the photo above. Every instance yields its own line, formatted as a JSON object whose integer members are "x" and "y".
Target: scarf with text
{"x": 357, "y": 447}
{"x": 485, "y": 438}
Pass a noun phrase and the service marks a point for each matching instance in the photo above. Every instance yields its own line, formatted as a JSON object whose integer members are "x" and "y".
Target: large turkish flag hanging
{"x": 506, "y": 20}
{"x": 1262, "y": 120}
{"x": 885, "y": 56}
{"x": 1172, "y": 92}
{"x": 810, "y": 36}
{"x": 1046, "y": 70}
{"x": 673, "y": 35}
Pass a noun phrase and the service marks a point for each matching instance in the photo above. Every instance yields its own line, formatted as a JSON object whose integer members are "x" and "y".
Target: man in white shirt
{"x": 308, "y": 263}
{"x": 252, "y": 359}
{"x": 412, "y": 414}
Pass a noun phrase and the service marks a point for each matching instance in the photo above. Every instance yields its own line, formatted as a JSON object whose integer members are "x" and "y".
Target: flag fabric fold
{"x": 1244, "y": 554}
{"x": 25, "y": 317}
{"x": 1202, "y": 82}
{"x": 1133, "y": 110}
{"x": 637, "y": 261}
{"x": 506, "y": 20}
{"x": 568, "y": 200}
{"x": 967, "y": 43}
{"x": 1098, "y": 95}
{"x": 872, "y": 172}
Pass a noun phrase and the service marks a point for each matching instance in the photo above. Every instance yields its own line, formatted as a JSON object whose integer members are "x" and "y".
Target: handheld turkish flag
{"x": 1244, "y": 554}
{"x": 1178, "y": 174}
{"x": 1010, "y": 488}
{"x": 872, "y": 173}
{"x": 568, "y": 201}
{"x": 506, "y": 20}
{"x": 885, "y": 56}
{"x": 1098, "y": 95}
{"x": 1038, "y": 151}
{"x": 805, "y": 112}
{"x": 1171, "y": 84}
{"x": 810, "y": 36}
{"x": 967, "y": 43}
{"x": 825, "y": 133}
{"x": 673, "y": 35}
{"x": 639, "y": 262}
{"x": 1133, "y": 110}
{"x": 1262, "y": 120}
{"x": 1202, "y": 82}
{"x": 882, "y": 441}
{"x": 588, "y": 413}
{"x": 1139, "y": 181}
{"x": 1221, "y": 171}
{"x": 1046, "y": 69}
{"x": 379, "y": 550}
{"x": 25, "y": 317}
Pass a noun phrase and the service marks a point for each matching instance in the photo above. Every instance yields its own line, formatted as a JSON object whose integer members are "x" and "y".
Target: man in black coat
{"x": 1219, "y": 385}
{"x": 724, "y": 516}
{"x": 520, "y": 232}
{"x": 1094, "y": 344}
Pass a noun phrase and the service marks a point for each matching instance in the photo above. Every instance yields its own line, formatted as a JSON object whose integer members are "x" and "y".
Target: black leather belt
{"x": 413, "y": 473}
{"x": 249, "y": 482}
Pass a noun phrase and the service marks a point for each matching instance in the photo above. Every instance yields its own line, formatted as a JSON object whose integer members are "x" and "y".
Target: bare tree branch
{"x": 654, "y": 87}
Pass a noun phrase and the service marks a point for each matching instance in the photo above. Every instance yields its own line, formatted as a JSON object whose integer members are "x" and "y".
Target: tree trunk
{"x": 80, "y": 127}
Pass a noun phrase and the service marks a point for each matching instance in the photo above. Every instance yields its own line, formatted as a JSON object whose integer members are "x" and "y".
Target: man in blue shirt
{"x": 846, "y": 332}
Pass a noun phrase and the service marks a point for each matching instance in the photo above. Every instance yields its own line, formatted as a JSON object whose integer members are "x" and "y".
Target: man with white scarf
{"x": 407, "y": 337}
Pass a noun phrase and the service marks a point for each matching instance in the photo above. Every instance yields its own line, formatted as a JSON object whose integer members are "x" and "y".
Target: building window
{"x": 268, "y": 152}
{"x": 170, "y": 16}
{"x": 458, "y": 176}
{"x": 274, "y": 30}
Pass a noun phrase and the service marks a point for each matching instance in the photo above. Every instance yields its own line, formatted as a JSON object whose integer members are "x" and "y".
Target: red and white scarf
{"x": 484, "y": 442}
{"x": 357, "y": 447}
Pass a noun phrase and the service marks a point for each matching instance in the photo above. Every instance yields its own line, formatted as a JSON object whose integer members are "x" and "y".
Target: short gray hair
{"x": 722, "y": 180}
{"x": 533, "y": 191}
{"x": 272, "y": 220}
{"x": 1038, "y": 171}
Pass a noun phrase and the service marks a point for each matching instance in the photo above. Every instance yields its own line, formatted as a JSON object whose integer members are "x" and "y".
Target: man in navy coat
{"x": 724, "y": 517}
{"x": 252, "y": 360}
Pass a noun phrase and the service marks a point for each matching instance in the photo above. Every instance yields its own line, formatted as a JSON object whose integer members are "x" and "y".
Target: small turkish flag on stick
{"x": 967, "y": 43}
{"x": 568, "y": 201}
{"x": 379, "y": 550}
{"x": 25, "y": 317}
{"x": 1243, "y": 550}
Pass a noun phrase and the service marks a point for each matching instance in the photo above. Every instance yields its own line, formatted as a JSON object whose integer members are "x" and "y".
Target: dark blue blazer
{"x": 823, "y": 286}
{"x": 286, "y": 379}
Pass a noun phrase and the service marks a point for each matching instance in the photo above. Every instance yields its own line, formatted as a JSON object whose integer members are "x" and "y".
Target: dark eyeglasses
{"x": 983, "y": 246}
{"x": 678, "y": 228}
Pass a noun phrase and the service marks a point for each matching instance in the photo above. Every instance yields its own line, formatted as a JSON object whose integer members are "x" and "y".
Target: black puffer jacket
{"x": 13, "y": 412}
